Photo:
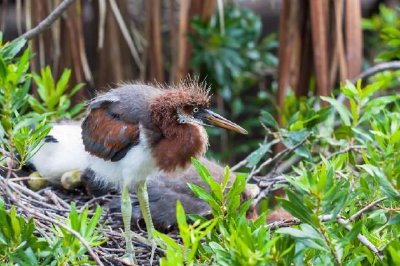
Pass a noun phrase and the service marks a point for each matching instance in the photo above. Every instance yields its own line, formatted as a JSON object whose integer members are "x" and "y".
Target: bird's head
{"x": 188, "y": 103}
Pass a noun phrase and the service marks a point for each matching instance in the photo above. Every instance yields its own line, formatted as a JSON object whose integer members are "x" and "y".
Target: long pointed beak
{"x": 213, "y": 119}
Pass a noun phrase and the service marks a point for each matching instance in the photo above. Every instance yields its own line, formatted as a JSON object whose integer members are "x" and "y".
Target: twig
{"x": 329, "y": 244}
{"x": 361, "y": 238}
{"x": 366, "y": 208}
{"x": 268, "y": 187}
{"x": 281, "y": 154}
{"x": 46, "y": 23}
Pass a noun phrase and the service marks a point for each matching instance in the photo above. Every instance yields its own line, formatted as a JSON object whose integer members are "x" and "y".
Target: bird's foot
{"x": 150, "y": 242}
{"x": 71, "y": 179}
{"x": 129, "y": 259}
{"x": 36, "y": 181}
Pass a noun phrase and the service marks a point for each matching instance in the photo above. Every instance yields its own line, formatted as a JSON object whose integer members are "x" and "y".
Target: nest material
{"x": 50, "y": 205}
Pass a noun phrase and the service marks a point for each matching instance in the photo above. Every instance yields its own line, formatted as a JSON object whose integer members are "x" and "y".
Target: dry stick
{"x": 125, "y": 33}
{"x": 265, "y": 191}
{"x": 46, "y": 23}
{"x": 102, "y": 22}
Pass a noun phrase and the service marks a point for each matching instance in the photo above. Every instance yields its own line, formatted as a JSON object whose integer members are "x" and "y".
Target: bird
{"x": 62, "y": 156}
{"x": 136, "y": 130}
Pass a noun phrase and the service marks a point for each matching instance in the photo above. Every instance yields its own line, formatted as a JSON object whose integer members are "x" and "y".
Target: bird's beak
{"x": 213, "y": 119}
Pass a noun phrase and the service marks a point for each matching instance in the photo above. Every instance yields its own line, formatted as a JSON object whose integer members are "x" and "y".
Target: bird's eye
{"x": 195, "y": 109}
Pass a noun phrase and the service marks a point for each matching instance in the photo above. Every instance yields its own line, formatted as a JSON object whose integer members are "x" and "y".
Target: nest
{"x": 51, "y": 205}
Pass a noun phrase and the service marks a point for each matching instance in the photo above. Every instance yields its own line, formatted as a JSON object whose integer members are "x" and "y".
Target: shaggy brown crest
{"x": 164, "y": 108}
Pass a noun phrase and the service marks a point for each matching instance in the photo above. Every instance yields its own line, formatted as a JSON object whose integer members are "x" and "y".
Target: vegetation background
{"x": 314, "y": 83}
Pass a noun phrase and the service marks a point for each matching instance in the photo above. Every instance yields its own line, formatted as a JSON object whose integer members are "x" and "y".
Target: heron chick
{"x": 135, "y": 130}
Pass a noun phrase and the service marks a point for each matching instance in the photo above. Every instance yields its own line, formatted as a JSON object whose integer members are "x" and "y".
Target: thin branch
{"x": 281, "y": 154}
{"x": 366, "y": 208}
{"x": 361, "y": 238}
{"x": 393, "y": 65}
{"x": 48, "y": 21}
{"x": 329, "y": 244}
{"x": 268, "y": 187}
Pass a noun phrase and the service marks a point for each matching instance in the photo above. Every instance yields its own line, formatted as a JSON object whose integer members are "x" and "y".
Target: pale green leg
{"x": 143, "y": 197}
{"x": 126, "y": 210}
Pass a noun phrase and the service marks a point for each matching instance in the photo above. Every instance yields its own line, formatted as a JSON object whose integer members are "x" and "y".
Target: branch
{"x": 280, "y": 154}
{"x": 393, "y": 65}
{"x": 48, "y": 21}
{"x": 366, "y": 208}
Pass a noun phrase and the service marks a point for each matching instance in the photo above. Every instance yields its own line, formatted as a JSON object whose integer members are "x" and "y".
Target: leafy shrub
{"x": 54, "y": 98}
{"x": 343, "y": 194}
{"x": 387, "y": 42}
{"x": 22, "y": 243}
{"x": 228, "y": 238}
{"x": 70, "y": 249}
{"x": 17, "y": 133}
{"x": 18, "y": 243}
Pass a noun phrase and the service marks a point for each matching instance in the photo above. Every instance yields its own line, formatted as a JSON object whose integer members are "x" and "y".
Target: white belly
{"x": 54, "y": 159}
{"x": 136, "y": 166}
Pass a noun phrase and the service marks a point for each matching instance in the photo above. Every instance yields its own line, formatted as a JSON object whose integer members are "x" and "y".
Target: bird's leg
{"x": 143, "y": 197}
{"x": 126, "y": 210}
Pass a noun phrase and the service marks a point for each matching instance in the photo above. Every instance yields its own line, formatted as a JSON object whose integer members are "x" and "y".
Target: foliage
{"x": 17, "y": 133}
{"x": 349, "y": 158}
{"x": 18, "y": 243}
{"x": 228, "y": 238}
{"x": 70, "y": 249}
{"x": 23, "y": 244}
{"x": 21, "y": 132}
{"x": 54, "y": 96}
{"x": 387, "y": 41}
{"x": 234, "y": 62}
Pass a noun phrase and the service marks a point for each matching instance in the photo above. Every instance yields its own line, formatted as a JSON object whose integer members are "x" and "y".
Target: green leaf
{"x": 298, "y": 209}
{"x": 10, "y": 50}
{"x": 3, "y": 70}
{"x": 204, "y": 195}
{"x": 349, "y": 89}
{"x": 269, "y": 120}
{"x": 386, "y": 186}
{"x": 342, "y": 110}
{"x": 258, "y": 154}
{"x": 62, "y": 83}
{"x": 207, "y": 178}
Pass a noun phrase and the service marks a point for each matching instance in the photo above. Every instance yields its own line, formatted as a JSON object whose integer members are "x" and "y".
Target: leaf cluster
{"x": 22, "y": 243}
